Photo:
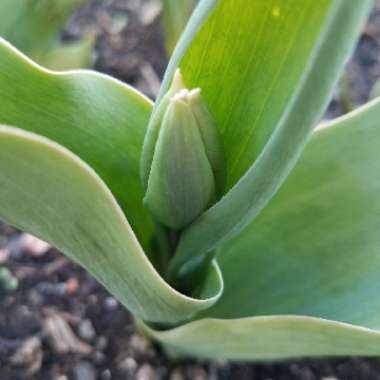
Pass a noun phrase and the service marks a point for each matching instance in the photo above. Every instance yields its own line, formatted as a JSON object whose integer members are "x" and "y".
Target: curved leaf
{"x": 98, "y": 118}
{"x": 315, "y": 249}
{"x": 267, "y": 105}
{"x": 48, "y": 191}
{"x": 267, "y": 338}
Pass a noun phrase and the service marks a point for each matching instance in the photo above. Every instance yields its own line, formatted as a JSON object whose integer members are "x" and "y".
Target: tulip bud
{"x": 154, "y": 128}
{"x": 187, "y": 168}
{"x": 211, "y": 137}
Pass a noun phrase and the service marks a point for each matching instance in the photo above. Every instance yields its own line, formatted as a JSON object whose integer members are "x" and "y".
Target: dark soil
{"x": 59, "y": 323}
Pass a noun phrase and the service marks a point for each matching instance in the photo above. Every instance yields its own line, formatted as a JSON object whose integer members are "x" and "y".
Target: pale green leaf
{"x": 267, "y": 79}
{"x": 315, "y": 249}
{"x": 375, "y": 93}
{"x": 70, "y": 55}
{"x": 98, "y": 118}
{"x": 175, "y": 15}
{"x": 49, "y": 192}
{"x": 267, "y": 338}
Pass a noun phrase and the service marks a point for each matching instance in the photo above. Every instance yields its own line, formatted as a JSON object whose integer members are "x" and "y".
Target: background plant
{"x": 269, "y": 98}
{"x": 175, "y": 15}
{"x": 34, "y": 27}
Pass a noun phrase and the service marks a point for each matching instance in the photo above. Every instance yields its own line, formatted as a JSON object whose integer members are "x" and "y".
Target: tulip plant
{"x": 222, "y": 217}
{"x": 34, "y": 26}
{"x": 175, "y": 15}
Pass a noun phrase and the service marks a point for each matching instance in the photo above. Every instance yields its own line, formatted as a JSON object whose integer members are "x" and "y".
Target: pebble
{"x": 61, "y": 336}
{"x": 106, "y": 375}
{"x": 196, "y": 373}
{"x": 71, "y": 285}
{"x": 138, "y": 344}
{"x": 86, "y": 330}
{"x": 84, "y": 371}
{"x": 177, "y": 374}
{"x": 110, "y": 304}
{"x": 101, "y": 343}
{"x": 33, "y": 245}
{"x": 128, "y": 365}
{"x": 35, "y": 298}
{"x": 99, "y": 357}
{"x": 24, "y": 322}
{"x": 29, "y": 356}
{"x": 4, "y": 254}
{"x": 51, "y": 290}
{"x": 146, "y": 372}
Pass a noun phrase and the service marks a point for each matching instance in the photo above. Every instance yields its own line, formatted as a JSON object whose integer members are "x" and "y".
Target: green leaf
{"x": 315, "y": 249}
{"x": 267, "y": 338}
{"x": 375, "y": 90}
{"x": 50, "y": 192}
{"x": 98, "y": 118}
{"x": 175, "y": 15}
{"x": 70, "y": 55}
{"x": 34, "y": 26}
{"x": 267, "y": 81}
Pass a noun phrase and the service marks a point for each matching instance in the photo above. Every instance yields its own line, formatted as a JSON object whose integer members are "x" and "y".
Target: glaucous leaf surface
{"x": 100, "y": 119}
{"x": 266, "y": 100}
{"x": 48, "y": 191}
{"x": 315, "y": 249}
{"x": 267, "y": 338}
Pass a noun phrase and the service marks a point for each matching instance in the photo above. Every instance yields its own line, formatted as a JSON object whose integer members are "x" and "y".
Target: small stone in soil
{"x": 24, "y": 322}
{"x": 86, "y": 330}
{"x": 196, "y": 373}
{"x": 62, "y": 338}
{"x": 177, "y": 374}
{"x": 98, "y": 357}
{"x": 84, "y": 371}
{"x": 33, "y": 245}
{"x": 138, "y": 344}
{"x": 52, "y": 290}
{"x": 146, "y": 372}
{"x": 106, "y": 375}
{"x": 128, "y": 366}
{"x": 4, "y": 254}
{"x": 28, "y": 356}
{"x": 110, "y": 304}
{"x": 101, "y": 343}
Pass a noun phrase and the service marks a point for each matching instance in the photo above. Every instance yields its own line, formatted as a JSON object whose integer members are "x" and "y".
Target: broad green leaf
{"x": 267, "y": 80}
{"x": 34, "y": 26}
{"x": 98, "y": 118}
{"x": 315, "y": 249}
{"x": 175, "y": 15}
{"x": 267, "y": 338}
{"x": 50, "y": 192}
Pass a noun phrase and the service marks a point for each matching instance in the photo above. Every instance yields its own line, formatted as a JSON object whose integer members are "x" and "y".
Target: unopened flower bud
{"x": 154, "y": 128}
{"x": 187, "y": 167}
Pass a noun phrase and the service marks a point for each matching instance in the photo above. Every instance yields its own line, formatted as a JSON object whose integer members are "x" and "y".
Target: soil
{"x": 57, "y": 322}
